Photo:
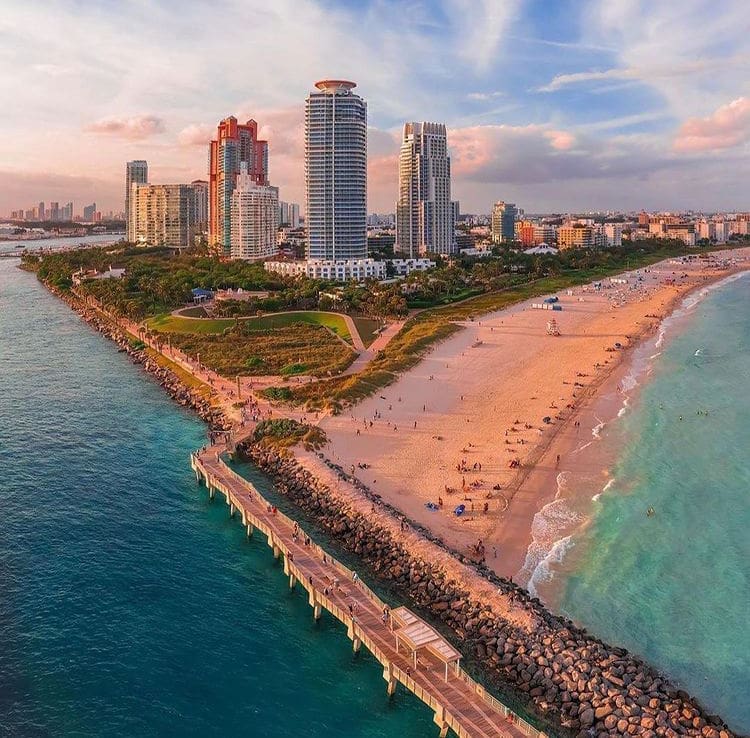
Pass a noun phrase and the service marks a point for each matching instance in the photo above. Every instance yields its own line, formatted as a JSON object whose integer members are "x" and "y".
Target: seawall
{"x": 167, "y": 379}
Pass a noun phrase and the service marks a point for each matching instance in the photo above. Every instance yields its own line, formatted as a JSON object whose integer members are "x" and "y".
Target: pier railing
{"x": 514, "y": 721}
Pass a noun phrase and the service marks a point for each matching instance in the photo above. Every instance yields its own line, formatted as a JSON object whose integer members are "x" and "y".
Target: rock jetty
{"x": 573, "y": 683}
{"x": 167, "y": 379}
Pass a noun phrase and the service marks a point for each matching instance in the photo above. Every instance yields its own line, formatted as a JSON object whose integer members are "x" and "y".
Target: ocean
{"x": 674, "y": 586}
{"x": 130, "y": 605}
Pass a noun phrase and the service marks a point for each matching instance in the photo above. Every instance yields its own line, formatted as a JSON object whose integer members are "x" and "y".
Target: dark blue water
{"x": 675, "y": 587}
{"x": 129, "y": 604}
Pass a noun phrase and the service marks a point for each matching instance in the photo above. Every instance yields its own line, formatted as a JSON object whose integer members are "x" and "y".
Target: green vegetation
{"x": 176, "y": 324}
{"x": 286, "y": 432}
{"x": 158, "y": 280}
{"x": 425, "y": 329}
{"x": 332, "y": 321}
{"x": 367, "y": 328}
{"x": 194, "y": 312}
{"x": 179, "y": 324}
{"x": 300, "y": 348}
{"x": 240, "y": 340}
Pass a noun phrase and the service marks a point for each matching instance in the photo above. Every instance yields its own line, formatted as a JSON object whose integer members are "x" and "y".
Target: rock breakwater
{"x": 574, "y": 683}
{"x": 167, "y": 379}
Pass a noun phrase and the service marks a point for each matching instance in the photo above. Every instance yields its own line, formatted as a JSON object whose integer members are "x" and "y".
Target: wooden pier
{"x": 410, "y": 651}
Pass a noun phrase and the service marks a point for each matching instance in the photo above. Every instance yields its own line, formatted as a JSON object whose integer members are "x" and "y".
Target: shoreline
{"x": 405, "y": 442}
{"x": 185, "y": 396}
{"x": 526, "y": 625}
{"x": 588, "y": 462}
{"x": 594, "y": 461}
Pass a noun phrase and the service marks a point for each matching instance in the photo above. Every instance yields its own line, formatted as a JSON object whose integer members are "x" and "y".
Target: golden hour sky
{"x": 554, "y": 104}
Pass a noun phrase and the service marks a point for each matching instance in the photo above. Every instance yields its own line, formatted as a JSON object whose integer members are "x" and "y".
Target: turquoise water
{"x": 675, "y": 587}
{"x": 129, "y": 604}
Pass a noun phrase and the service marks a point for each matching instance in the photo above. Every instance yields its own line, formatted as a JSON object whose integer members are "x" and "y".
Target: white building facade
{"x": 254, "y": 219}
{"x": 336, "y": 172}
{"x": 339, "y": 270}
{"x": 425, "y": 215}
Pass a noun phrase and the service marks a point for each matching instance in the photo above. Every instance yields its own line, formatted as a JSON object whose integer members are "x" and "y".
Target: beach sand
{"x": 481, "y": 396}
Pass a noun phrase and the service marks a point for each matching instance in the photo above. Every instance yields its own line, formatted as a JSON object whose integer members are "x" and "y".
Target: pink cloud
{"x": 561, "y": 140}
{"x": 726, "y": 127}
{"x": 196, "y": 134}
{"x": 133, "y": 129}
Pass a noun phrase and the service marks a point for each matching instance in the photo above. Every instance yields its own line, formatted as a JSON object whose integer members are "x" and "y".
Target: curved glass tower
{"x": 336, "y": 172}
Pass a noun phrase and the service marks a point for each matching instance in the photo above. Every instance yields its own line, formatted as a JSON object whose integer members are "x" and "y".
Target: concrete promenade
{"x": 459, "y": 703}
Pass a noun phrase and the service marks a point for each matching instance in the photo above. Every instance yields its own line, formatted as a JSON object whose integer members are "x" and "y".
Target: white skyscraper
{"x": 336, "y": 172}
{"x": 425, "y": 216}
{"x": 254, "y": 218}
{"x": 136, "y": 172}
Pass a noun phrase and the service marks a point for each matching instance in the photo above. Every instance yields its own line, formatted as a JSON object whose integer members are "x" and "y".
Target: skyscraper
{"x": 336, "y": 172}
{"x": 200, "y": 193}
{"x": 425, "y": 219}
{"x": 54, "y": 211}
{"x": 503, "y": 222}
{"x": 89, "y": 211}
{"x": 235, "y": 144}
{"x": 136, "y": 172}
{"x": 255, "y": 218}
{"x": 289, "y": 214}
{"x": 162, "y": 215}
{"x": 41, "y": 212}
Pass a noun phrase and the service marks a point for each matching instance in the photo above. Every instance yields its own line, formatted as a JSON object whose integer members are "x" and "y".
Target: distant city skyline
{"x": 561, "y": 106}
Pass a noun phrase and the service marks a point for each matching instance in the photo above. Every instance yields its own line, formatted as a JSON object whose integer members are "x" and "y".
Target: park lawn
{"x": 368, "y": 329}
{"x": 301, "y": 348}
{"x": 333, "y": 321}
{"x": 177, "y": 324}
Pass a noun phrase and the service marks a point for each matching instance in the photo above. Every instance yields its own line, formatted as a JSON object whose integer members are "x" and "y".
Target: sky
{"x": 557, "y": 105}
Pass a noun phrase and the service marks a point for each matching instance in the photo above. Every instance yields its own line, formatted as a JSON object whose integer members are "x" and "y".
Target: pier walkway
{"x": 410, "y": 651}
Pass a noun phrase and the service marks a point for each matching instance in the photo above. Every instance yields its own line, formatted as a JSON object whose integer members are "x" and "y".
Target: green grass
{"x": 332, "y": 321}
{"x": 300, "y": 348}
{"x": 367, "y": 328}
{"x": 178, "y": 324}
{"x": 174, "y": 324}
{"x": 194, "y": 312}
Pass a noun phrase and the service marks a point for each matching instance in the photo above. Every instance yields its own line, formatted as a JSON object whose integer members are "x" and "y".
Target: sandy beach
{"x": 494, "y": 416}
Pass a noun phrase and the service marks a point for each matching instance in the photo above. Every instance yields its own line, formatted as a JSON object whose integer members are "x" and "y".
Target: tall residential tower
{"x": 255, "y": 219}
{"x": 235, "y": 144}
{"x": 136, "y": 172}
{"x": 503, "y": 222}
{"x": 425, "y": 216}
{"x": 336, "y": 172}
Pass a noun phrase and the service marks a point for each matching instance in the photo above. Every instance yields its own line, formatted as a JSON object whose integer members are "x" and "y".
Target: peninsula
{"x": 472, "y": 425}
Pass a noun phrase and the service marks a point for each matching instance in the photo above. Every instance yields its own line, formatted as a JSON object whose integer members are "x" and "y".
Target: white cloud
{"x": 691, "y": 53}
{"x": 134, "y": 128}
{"x": 480, "y": 27}
{"x": 196, "y": 134}
{"x": 484, "y": 96}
